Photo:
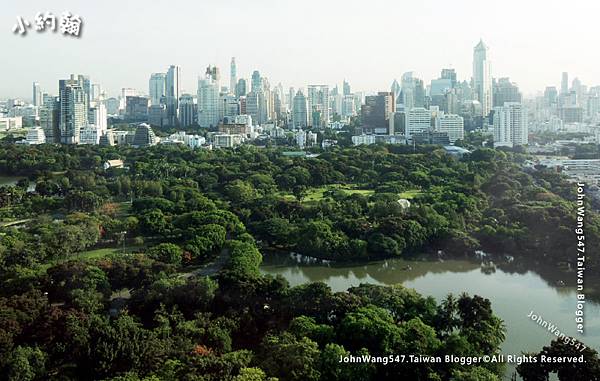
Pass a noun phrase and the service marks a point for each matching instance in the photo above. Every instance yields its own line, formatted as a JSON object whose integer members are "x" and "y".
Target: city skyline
{"x": 369, "y": 61}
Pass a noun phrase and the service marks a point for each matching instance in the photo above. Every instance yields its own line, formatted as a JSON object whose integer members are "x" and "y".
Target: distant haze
{"x": 300, "y": 42}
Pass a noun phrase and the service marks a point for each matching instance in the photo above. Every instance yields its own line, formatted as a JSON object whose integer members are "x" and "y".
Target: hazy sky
{"x": 300, "y": 42}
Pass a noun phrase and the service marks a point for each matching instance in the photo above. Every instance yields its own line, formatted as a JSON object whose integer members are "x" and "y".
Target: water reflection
{"x": 511, "y": 285}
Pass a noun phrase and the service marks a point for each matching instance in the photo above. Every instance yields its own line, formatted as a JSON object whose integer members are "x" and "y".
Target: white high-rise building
{"x": 98, "y": 116}
{"x": 233, "y": 76}
{"x": 89, "y": 135}
{"x": 418, "y": 119}
{"x": 299, "y": 112}
{"x": 510, "y": 125}
{"x": 208, "y": 99}
{"x": 72, "y": 109}
{"x": 157, "y": 87}
{"x": 451, "y": 124}
{"x": 35, "y": 135}
{"x": 482, "y": 77}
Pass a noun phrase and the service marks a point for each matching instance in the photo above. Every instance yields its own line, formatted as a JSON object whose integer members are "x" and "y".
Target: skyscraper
{"x": 186, "y": 110}
{"x": 72, "y": 109}
{"x": 376, "y": 113}
{"x": 506, "y": 91}
{"x": 208, "y": 98}
{"x": 37, "y": 94}
{"x": 453, "y": 125}
{"x": 418, "y": 119}
{"x": 564, "y": 83}
{"x": 49, "y": 118}
{"x": 241, "y": 88}
{"x": 233, "y": 77}
{"x": 299, "y": 113}
{"x": 510, "y": 125}
{"x": 346, "y": 88}
{"x": 449, "y": 74}
{"x": 482, "y": 77}
{"x": 256, "y": 84}
{"x": 318, "y": 105}
{"x": 157, "y": 87}
{"x": 173, "y": 92}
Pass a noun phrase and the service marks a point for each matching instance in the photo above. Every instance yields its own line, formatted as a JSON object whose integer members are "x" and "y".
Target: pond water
{"x": 513, "y": 295}
{"x": 12, "y": 180}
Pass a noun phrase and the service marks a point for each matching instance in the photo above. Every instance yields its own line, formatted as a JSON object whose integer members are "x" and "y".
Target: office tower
{"x": 86, "y": 84}
{"x": 186, "y": 110}
{"x": 228, "y": 106}
{"x": 49, "y": 119}
{"x": 407, "y": 90}
{"x": 451, "y": 124}
{"x": 157, "y": 115}
{"x": 348, "y": 106}
{"x": 173, "y": 92}
{"x": 253, "y": 106}
{"x": 290, "y": 98}
{"x": 396, "y": 89}
{"x": 419, "y": 93}
{"x": 510, "y": 125}
{"x": 440, "y": 86}
{"x": 72, "y": 109}
{"x": 449, "y": 74}
{"x": 144, "y": 136}
{"x": 112, "y": 106}
{"x": 157, "y": 87}
{"x": 318, "y": 105}
{"x": 418, "y": 119}
{"x": 208, "y": 98}
{"x": 439, "y": 89}
{"x": 299, "y": 111}
{"x": 564, "y": 84}
{"x": 256, "y": 84}
{"x": 233, "y": 77}
{"x": 550, "y": 96}
{"x": 37, "y": 94}
{"x": 213, "y": 73}
{"x": 346, "y": 88}
{"x": 506, "y": 91}
{"x": 376, "y": 113}
{"x": 97, "y": 116}
{"x": 482, "y": 77}
{"x": 136, "y": 108}
{"x": 241, "y": 89}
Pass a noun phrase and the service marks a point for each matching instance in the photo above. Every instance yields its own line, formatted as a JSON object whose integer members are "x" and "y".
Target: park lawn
{"x": 90, "y": 255}
{"x": 316, "y": 194}
{"x": 410, "y": 194}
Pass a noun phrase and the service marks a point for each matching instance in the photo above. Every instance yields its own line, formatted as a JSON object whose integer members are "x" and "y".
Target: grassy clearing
{"x": 410, "y": 194}
{"x": 317, "y": 194}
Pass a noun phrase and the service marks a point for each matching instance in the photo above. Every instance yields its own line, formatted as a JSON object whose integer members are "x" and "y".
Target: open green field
{"x": 316, "y": 194}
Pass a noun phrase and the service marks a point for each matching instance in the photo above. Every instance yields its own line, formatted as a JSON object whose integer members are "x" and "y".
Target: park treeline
{"x": 151, "y": 271}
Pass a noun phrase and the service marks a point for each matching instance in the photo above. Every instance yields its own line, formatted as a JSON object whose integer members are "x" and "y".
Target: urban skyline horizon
{"x": 225, "y": 77}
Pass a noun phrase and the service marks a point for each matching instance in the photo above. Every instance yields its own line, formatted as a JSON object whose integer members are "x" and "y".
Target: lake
{"x": 513, "y": 295}
{"x": 12, "y": 180}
